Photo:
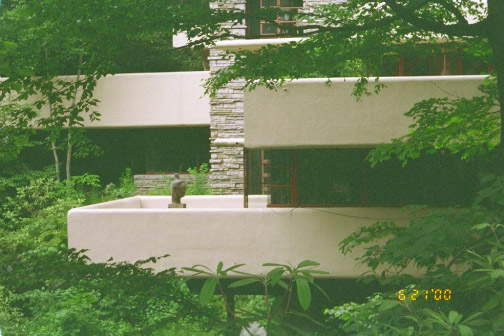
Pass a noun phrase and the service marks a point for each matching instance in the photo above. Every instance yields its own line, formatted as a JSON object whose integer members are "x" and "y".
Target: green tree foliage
{"x": 361, "y": 38}
{"x": 468, "y": 127}
{"x": 53, "y": 52}
{"x": 47, "y": 289}
{"x": 198, "y": 185}
{"x": 459, "y": 249}
{"x": 285, "y": 280}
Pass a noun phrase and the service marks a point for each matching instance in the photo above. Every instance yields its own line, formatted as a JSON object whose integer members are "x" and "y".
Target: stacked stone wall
{"x": 227, "y": 112}
{"x": 226, "y": 121}
{"x": 146, "y": 183}
{"x": 226, "y": 117}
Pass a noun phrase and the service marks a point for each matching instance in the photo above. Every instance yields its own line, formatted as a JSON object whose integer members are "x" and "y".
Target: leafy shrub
{"x": 199, "y": 185}
{"x": 290, "y": 280}
{"x": 50, "y": 290}
{"x": 457, "y": 249}
{"x": 11, "y": 319}
{"x": 126, "y": 187}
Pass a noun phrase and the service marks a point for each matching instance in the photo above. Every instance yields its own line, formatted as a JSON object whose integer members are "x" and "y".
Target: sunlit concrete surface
{"x": 217, "y": 228}
{"x": 317, "y": 113}
{"x": 168, "y": 99}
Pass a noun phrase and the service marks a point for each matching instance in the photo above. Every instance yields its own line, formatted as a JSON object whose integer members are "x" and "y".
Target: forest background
{"x": 46, "y": 289}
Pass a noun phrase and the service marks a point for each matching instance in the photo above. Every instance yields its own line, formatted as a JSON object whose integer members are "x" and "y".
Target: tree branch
{"x": 346, "y": 27}
{"x": 349, "y": 28}
{"x": 452, "y": 9}
{"x": 458, "y": 29}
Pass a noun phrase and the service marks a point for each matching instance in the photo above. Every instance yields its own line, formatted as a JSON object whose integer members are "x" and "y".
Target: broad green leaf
{"x": 473, "y": 316}
{"x": 308, "y": 276}
{"x": 454, "y": 317}
{"x": 493, "y": 302}
{"x": 481, "y": 226}
{"x": 307, "y": 263}
{"x": 273, "y": 264}
{"x": 283, "y": 284}
{"x": 195, "y": 270}
{"x": 388, "y": 304}
{"x": 303, "y": 291}
{"x": 465, "y": 330}
{"x": 437, "y": 317}
{"x": 220, "y": 266}
{"x": 274, "y": 272}
{"x": 499, "y": 325}
{"x": 243, "y": 282}
{"x": 286, "y": 267}
{"x": 202, "y": 266}
{"x": 497, "y": 273}
{"x": 207, "y": 291}
{"x": 232, "y": 268}
{"x": 316, "y": 271}
{"x": 275, "y": 275}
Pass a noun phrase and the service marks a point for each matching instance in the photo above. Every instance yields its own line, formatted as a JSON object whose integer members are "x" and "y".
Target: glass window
{"x": 258, "y": 28}
{"x": 268, "y": 29}
{"x": 314, "y": 173}
{"x": 342, "y": 177}
{"x": 281, "y": 196}
{"x": 415, "y": 66}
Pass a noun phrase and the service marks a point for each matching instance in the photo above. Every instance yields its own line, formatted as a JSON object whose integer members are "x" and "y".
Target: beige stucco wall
{"x": 151, "y": 100}
{"x": 192, "y": 202}
{"x": 308, "y": 112}
{"x": 231, "y": 235}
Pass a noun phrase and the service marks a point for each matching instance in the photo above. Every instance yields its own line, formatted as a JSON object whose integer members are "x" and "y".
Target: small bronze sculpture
{"x": 178, "y": 190}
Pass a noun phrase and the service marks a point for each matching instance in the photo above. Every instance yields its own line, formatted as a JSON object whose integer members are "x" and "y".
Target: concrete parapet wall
{"x": 207, "y": 236}
{"x": 192, "y": 201}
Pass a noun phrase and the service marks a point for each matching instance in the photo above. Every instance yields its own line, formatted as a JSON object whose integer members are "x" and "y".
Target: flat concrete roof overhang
{"x": 163, "y": 99}
{"x": 317, "y": 112}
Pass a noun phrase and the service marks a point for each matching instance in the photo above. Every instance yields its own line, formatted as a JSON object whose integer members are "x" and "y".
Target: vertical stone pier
{"x": 226, "y": 120}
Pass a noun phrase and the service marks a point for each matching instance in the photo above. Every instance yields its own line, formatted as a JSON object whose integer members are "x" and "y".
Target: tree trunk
{"x": 69, "y": 156}
{"x": 70, "y": 124}
{"x": 53, "y": 144}
{"x": 55, "y": 152}
{"x": 56, "y": 161}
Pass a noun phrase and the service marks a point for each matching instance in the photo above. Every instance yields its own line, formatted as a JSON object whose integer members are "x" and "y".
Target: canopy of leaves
{"x": 358, "y": 38}
{"x": 47, "y": 289}
{"x": 456, "y": 249}
{"x": 468, "y": 127}
{"x": 47, "y": 37}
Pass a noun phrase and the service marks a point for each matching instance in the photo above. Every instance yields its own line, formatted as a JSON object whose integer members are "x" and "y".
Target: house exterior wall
{"x": 311, "y": 113}
{"x": 226, "y": 119}
{"x": 217, "y": 228}
{"x": 173, "y": 99}
{"x": 227, "y": 113}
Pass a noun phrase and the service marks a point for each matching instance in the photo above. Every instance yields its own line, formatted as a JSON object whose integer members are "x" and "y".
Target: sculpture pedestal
{"x": 174, "y": 205}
